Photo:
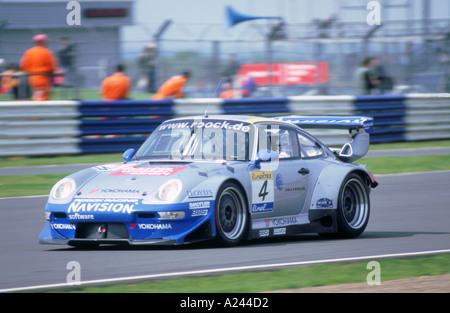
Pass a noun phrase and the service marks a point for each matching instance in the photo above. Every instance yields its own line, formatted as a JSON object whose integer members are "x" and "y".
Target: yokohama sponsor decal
{"x": 147, "y": 171}
{"x": 149, "y": 226}
{"x": 280, "y": 221}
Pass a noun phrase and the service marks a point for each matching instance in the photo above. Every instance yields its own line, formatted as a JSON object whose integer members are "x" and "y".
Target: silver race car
{"x": 226, "y": 177}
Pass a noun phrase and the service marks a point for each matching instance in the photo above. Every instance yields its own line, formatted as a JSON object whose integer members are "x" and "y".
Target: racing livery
{"x": 226, "y": 177}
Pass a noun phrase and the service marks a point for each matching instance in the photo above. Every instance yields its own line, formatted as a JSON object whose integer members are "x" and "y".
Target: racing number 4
{"x": 263, "y": 192}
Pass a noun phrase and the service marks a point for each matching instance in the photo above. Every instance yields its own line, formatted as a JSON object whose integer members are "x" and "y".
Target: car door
{"x": 279, "y": 187}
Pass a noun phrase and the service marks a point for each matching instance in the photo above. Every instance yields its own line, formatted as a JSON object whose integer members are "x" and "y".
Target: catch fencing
{"x": 77, "y": 127}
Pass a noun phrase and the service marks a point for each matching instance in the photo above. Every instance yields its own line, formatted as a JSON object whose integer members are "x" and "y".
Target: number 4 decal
{"x": 262, "y": 191}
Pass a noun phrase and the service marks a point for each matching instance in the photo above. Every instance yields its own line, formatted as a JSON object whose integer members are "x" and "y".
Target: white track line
{"x": 222, "y": 270}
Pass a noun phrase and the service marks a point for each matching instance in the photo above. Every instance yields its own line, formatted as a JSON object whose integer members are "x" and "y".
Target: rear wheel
{"x": 231, "y": 215}
{"x": 353, "y": 207}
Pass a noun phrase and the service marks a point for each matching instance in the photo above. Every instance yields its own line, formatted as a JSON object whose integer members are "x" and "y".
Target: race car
{"x": 229, "y": 178}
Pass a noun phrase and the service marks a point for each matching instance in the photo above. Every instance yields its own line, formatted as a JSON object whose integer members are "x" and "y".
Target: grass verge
{"x": 292, "y": 278}
{"x": 393, "y": 165}
{"x": 16, "y": 161}
{"x": 27, "y": 185}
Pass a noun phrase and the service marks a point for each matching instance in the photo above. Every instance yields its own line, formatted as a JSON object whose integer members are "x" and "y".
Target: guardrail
{"x": 67, "y": 127}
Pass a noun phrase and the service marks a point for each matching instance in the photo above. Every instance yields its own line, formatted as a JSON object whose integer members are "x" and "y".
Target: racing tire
{"x": 231, "y": 215}
{"x": 353, "y": 207}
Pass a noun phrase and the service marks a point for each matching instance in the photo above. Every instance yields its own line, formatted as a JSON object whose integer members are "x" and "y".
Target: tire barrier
{"x": 75, "y": 127}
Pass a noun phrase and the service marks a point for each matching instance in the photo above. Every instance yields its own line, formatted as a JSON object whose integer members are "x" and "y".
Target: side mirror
{"x": 265, "y": 156}
{"x": 128, "y": 155}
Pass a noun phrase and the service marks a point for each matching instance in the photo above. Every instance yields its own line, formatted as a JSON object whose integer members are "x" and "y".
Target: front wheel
{"x": 353, "y": 207}
{"x": 231, "y": 215}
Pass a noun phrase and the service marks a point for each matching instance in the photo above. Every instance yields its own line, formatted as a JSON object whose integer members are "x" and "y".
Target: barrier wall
{"x": 65, "y": 127}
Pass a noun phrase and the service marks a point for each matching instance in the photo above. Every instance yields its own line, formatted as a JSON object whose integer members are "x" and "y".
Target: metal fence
{"x": 415, "y": 53}
{"x": 73, "y": 127}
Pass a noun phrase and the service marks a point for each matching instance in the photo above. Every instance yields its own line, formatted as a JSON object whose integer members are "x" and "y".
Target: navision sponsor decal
{"x": 102, "y": 205}
{"x": 147, "y": 171}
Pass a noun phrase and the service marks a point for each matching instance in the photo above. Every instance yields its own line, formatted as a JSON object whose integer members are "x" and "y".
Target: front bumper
{"x": 140, "y": 227}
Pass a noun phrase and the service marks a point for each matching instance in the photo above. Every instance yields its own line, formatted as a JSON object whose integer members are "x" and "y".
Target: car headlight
{"x": 170, "y": 190}
{"x": 63, "y": 189}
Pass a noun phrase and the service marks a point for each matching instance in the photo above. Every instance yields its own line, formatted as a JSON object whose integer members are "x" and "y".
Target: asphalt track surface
{"x": 409, "y": 213}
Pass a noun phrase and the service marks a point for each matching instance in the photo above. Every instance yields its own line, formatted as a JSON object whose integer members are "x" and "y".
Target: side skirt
{"x": 316, "y": 221}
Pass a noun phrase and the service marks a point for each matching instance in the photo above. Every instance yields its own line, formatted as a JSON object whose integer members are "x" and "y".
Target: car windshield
{"x": 199, "y": 139}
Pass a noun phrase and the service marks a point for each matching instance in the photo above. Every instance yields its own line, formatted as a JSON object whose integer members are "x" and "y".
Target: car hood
{"x": 143, "y": 179}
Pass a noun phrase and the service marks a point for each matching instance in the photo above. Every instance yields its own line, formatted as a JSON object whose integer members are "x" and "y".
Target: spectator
{"x": 147, "y": 65}
{"x": 2, "y": 64}
{"x": 16, "y": 84}
{"x": 365, "y": 80}
{"x": 231, "y": 69}
{"x": 385, "y": 82}
{"x": 117, "y": 86}
{"x": 228, "y": 92}
{"x": 249, "y": 86}
{"x": 66, "y": 57}
{"x": 8, "y": 82}
{"x": 38, "y": 60}
{"x": 173, "y": 87}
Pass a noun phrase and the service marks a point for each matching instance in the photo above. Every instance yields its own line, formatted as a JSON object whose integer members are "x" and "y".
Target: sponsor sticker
{"x": 324, "y": 203}
{"x": 279, "y": 182}
{"x": 200, "y": 193}
{"x": 154, "y": 226}
{"x": 279, "y": 231}
{"x": 263, "y": 175}
{"x": 199, "y": 208}
{"x": 77, "y": 216}
{"x": 199, "y": 205}
{"x": 212, "y": 124}
{"x": 60, "y": 226}
{"x": 102, "y": 205}
{"x": 281, "y": 221}
{"x": 199, "y": 212}
{"x": 147, "y": 171}
{"x": 262, "y": 207}
{"x": 262, "y": 191}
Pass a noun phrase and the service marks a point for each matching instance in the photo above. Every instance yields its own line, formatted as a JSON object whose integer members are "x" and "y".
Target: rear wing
{"x": 359, "y": 128}
{"x": 330, "y": 122}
